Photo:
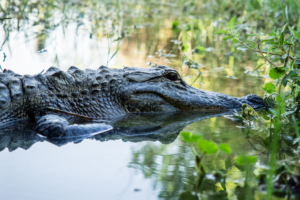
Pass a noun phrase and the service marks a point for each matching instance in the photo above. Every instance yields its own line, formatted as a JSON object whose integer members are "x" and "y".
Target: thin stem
{"x": 287, "y": 58}
{"x": 265, "y": 56}
{"x": 262, "y": 52}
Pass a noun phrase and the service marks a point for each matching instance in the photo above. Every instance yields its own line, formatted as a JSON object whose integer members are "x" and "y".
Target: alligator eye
{"x": 172, "y": 76}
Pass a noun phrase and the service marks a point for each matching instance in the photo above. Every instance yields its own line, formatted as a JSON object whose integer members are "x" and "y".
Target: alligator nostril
{"x": 254, "y": 99}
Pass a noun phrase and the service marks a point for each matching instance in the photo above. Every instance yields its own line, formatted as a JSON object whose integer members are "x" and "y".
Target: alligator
{"x": 55, "y": 98}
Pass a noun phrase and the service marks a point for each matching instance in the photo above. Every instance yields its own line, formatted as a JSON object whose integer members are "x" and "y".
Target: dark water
{"x": 143, "y": 158}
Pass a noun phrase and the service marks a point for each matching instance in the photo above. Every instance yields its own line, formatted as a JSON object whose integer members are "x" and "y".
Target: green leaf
{"x": 175, "y": 25}
{"x": 268, "y": 40}
{"x": 273, "y": 111}
{"x": 276, "y": 73}
{"x": 287, "y": 43}
{"x": 225, "y": 147}
{"x": 269, "y": 88}
{"x": 185, "y": 47}
{"x": 221, "y": 31}
{"x": 231, "y": 23}
{"x": 270, "y": 49}
{"x": 200, "y": 50}
{"x": 228, "y": 163}
{"x": 279, "y": 98}
{"x": 240, "y": 167}
{"x": 229, "y": 37}
{"x": 235, "y": 40}
{"x": 284, "y": 56}
{"x": 189, "y": 137}
{"x": 258, "y": 67}
{"x": 294, "y": 33}
{"x": 274, "y": 30}
{"x": 207, "y": 146}
{"x": 283, "y": 28}
{"x": 186, "y": 136}
{"x": 292, "y": 63}
{"x": 246, "y": 160}
{"x": 251, "y": 34}
{"x": 281, "y": 39}
{"x": 272, "y": 43}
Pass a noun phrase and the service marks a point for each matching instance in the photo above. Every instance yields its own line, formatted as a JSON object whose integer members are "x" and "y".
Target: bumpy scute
{"x": 4, "y": 96}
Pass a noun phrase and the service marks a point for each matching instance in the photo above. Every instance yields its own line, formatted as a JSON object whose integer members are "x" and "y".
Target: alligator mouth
{"x": 194, "y": 99}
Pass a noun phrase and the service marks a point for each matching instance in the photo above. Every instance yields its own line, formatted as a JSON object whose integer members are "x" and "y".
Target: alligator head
{"x": 163, "y": 89}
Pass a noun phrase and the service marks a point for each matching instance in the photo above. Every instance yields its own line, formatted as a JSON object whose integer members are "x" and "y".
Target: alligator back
{"x": 84, "y": 92}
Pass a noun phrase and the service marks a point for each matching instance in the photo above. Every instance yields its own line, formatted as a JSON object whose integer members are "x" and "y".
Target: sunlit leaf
{"x": 185, "y": 47}
{"x": 294, "y": 33}
{"x": 175, "y": 24}
{"x": 207, "y": 146}
{"x": 269, "y": 88}
{"x": 225, "y": 147}
{"x": 257, "y": 67}
{"x": 229, "y": 37}
{"x": 276, "y": 73}
{"x": 199, "y": 50}
{"x": 221, "y": 31}
{"x": 231, "y": 23}
{"x": 189, "y": 137}
{"x": 246, "y": 160}
{"x": 268, "y": 40}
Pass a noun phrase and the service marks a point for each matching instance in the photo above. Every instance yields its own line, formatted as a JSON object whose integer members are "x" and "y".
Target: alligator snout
{"x": 253, "y": 100}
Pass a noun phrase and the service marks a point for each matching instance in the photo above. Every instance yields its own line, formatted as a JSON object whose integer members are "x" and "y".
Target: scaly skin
{"x": 103, "y": 93}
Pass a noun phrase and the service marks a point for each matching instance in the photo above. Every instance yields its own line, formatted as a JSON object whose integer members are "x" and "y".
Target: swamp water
{"x": 145, "y": 158}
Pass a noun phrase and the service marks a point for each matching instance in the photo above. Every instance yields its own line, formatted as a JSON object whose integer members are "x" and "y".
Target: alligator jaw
{"x": 174, "y": 97}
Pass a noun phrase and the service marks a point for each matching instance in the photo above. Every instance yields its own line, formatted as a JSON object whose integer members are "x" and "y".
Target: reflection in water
{"x": 163, "y": 127}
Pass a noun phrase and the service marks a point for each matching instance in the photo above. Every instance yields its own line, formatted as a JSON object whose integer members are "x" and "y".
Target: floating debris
{"x": 4, "y": 57}
{"x": 232, "y": 77}
{"x": 168, "y": 55}
{"x": 218, "y": 68}
{"x": 42, "y": 51}
{"x": 152, "y": 65}
{"x": 242, "y": 48}
{"x": 210, "y": 49}
{"x": 176, "y": 41}
{"x": 189, "y": 76}
{"x": 190, "y": 63}
{"x": 228, "y": 54}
